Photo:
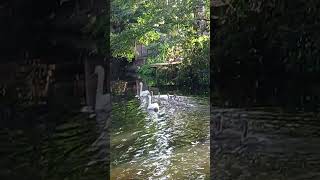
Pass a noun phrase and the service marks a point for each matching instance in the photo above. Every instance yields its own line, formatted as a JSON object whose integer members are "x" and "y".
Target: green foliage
{"x": 194, "y": 71}
{"x": 169, "y": 31}
{"x": 267, "y": 41}
{"x": 157, "y": 25}
{"x": 148, "y": 74}
{"x": 286, "y": 29}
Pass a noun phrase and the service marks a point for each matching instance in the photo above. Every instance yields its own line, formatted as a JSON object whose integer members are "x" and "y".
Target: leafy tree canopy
{"x": 167, "y": 27}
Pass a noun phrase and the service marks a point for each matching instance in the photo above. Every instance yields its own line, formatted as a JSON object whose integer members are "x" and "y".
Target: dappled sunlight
{"x": 173, "y": 146}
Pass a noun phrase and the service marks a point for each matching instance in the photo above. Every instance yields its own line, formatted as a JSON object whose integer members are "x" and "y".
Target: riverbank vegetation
{"x": 171, "y": 31}
{"x": 265, "y": 53}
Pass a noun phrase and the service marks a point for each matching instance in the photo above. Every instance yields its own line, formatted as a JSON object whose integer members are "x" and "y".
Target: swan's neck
{"x": 137, "y": 89}
{"x": 140, "y": 88}
{"x": 100, "y": 82}
{"x": 149, "y": 100}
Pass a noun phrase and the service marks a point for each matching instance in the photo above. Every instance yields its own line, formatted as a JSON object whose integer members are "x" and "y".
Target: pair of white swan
{"x": 102, "y": 100}
{"x": 146, "y": 94}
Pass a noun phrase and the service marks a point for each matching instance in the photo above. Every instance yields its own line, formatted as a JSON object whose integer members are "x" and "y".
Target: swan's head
{"x": 99, "y": 69}
{"x": 140, "y": 83}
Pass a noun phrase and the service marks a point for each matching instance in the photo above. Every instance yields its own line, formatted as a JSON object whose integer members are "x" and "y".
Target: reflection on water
{"x": 174, "y": 145}
{"x": 278, "y": 145}
{"x": 60, "y": 147}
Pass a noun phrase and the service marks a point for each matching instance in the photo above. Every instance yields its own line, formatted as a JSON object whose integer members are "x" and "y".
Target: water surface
{"x": 53, "y": 146}
{"x": 173, "y": 145}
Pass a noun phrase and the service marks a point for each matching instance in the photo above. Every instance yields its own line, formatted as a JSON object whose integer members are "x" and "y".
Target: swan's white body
{"x": 152, "y": 106}
{"x": 102, "y": 100}
{"x": 162, "y": 97}
{"x": 143, "y": 93}
{"x": 102, "y": 108}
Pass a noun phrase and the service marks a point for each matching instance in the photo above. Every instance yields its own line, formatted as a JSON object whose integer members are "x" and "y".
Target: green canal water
{"x": 174, "y": 145}
{"x": 59, "y": 145}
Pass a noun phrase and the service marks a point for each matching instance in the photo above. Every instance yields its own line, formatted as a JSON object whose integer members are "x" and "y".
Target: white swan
{"x": 102, "y": 106}
{"x": 157, "y": 98}
{"x": 161, "y": 97}
{"x": 138, "y": 93}
{"x": 88, "y": 109}
{"x": 152, "y": 106}
{"x": 143, "y": 93}
{"x": 102, "y": 100}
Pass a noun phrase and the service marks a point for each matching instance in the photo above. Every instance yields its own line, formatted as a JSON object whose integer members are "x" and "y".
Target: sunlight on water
{"x": 173, "y": 145}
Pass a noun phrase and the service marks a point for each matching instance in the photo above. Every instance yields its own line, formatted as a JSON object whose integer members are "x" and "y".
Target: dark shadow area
{"x": 54, "y": 83}
{"x": 265, "y": 90}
